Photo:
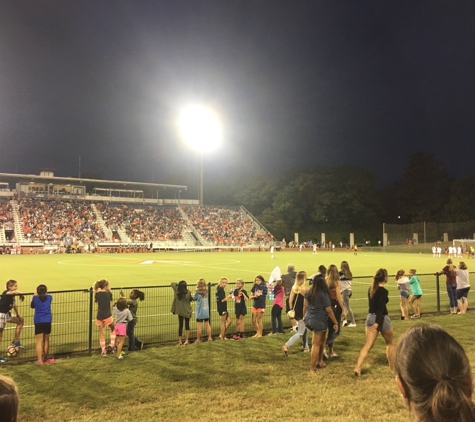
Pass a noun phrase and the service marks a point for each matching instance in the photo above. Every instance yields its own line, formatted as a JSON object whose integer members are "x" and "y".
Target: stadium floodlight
{"x": 200, "y": 128}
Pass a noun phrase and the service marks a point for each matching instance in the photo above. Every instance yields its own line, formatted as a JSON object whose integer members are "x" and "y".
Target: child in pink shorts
{"x": 122, "y": 316}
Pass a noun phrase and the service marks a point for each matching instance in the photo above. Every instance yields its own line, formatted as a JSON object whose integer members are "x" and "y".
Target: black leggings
{"x": 180, "y": 324}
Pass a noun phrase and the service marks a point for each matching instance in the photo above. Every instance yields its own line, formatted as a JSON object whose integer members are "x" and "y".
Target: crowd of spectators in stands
{"x": 53, "y": 221}
{"x": 6, "y": 214}
{"x": 224, "y": 226}
{"x": 144, "y": 224}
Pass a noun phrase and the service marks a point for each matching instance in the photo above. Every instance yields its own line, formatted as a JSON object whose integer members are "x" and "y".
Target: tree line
{"x": 343, "y": 199}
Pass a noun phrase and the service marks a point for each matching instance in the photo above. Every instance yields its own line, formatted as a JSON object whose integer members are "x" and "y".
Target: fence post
{"x": 91, "y": 303}
{"x": 437, "y": 285}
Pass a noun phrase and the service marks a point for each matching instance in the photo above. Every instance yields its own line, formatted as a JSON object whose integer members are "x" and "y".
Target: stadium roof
{"x": 15, "y": 178}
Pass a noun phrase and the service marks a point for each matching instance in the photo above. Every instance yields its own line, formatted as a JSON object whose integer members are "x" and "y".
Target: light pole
{"x": 200, "y": 128}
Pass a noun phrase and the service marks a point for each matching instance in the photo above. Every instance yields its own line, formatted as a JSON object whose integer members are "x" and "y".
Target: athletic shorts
{"x": 241, "y": 313}
{"x": 258, "y": 310}
{"x": 404, "y": 294}
{"x": 462, "y": 292}
{"x": 202, "y": 319}
{"x": 371, "y": 320}
{"x": 43, "y": 328}
{"x": 120, "y": 329}
{"x": 417, "y": 296}
{"x": 221, "y": 313}
{"x": 104, "y": 322}
{"x": 4, "y": 318}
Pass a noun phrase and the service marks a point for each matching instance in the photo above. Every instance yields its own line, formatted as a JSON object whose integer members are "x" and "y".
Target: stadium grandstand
{"x": 48, "y": 214}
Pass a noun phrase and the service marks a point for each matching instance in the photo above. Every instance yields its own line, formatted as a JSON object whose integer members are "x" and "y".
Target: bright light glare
{"x": 200, "y": 128}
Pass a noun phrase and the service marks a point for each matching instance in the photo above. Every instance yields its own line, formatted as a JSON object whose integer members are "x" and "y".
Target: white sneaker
{"x": 352, "y": 324}
{"x": 344, "y": 323}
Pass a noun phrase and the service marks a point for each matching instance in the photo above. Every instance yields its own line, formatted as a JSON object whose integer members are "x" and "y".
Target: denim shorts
{"x": 316, "y": 326}
{"x": 371, "y": 320}
{"x": 462, "y": 292}
{"x": 404, "y": 294}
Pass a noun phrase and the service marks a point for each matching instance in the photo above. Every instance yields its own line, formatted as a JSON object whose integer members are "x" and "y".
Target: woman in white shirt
{"x": 463, "y": 286}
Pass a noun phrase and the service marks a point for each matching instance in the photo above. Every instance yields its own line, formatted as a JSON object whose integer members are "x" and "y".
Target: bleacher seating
{"x": 223, "y": 226}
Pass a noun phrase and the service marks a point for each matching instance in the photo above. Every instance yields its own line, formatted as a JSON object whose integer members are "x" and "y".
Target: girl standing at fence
{"x": 7, "y": 303}
{"x": 403, "y": 287}
{"x": 416, "y": 294}
{"x": 181, "y": 306}
{"x": 259, "y": 294}
{"x": 222, "y": 302}
{"x": 277, "y": 326}
{"x": 202, "y": 310}
{"x": 103, "y": 298}
{"x": 296, "y": 300}
{"x": 42, "y": 319}
{"x": 463, "y": 287}
{"x": 377, "y": 320}
{"x": 451, "y": 282}
{"x": 240, "y": 299}
{"x": 122, "y": 316}
{"x": 134, "y": 342}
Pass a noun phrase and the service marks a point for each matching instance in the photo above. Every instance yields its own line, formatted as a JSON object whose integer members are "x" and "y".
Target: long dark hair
{"x": 380, "y": 276}
{"x": 138, "y": 294}
{"x": 319, "y": 284}
{"x": 439, "y": 386}
{"x": 42, "y": 290}
{"x": 182, "y": 290}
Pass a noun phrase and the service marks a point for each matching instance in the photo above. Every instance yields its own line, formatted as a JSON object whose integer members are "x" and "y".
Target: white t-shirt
{"x": 462, "y": 279}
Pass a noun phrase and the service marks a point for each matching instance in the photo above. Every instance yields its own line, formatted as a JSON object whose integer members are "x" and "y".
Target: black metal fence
{"x": 74, "y": 313}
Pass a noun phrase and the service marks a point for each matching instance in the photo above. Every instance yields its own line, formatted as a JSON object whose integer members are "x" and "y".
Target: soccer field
{"x": 65, "y": 272}
{"x": 73, "y": 320}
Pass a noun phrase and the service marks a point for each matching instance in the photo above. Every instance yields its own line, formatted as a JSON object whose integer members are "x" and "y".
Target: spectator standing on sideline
{"x": 288, "y": 281}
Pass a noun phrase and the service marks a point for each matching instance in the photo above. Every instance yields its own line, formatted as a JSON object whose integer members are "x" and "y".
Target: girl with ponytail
{"x": 377, "y": 320}
{"x": 433, "y": 375}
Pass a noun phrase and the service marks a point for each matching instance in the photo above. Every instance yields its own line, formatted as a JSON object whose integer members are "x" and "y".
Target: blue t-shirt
{"x": 259, "y": 290}
{"x": 42, "y": 309}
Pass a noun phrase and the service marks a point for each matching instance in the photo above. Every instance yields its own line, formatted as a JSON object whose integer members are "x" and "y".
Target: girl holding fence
{"x": 403, "y": 287}
{"x": 122, "y": 316}
{"x": 42, "y": 319}
{"x": 7, "y": 303}
{"x": 202, "y": 310}
{"x": 451, "y": 283}
{"x": 134, "y": 342}
{"x": 222, "y": 304}
{"x": 463, "y": 287}
{"x": 181, "y": 306}
{"x": 240, "y": 308}
{"x": 103, "y": 298}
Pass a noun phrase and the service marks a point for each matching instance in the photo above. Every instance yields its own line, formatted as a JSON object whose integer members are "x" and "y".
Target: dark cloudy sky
{"x": 296, "y": 83}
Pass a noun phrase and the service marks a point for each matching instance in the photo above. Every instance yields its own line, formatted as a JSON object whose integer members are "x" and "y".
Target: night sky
{"x": 295, "y": 83}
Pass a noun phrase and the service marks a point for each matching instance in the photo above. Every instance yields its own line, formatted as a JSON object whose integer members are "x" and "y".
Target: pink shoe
{"x": 40, "y": 362}
{"x": 50, "y": 360}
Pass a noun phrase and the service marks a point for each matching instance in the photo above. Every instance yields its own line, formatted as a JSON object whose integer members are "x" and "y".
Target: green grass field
{"x": 64, "y": 272}
{"x": 147, "y": 271}
{"x": 247, "y": 380}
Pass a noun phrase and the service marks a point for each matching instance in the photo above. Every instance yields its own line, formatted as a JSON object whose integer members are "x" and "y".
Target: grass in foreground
{"x": 234, "y": 380}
